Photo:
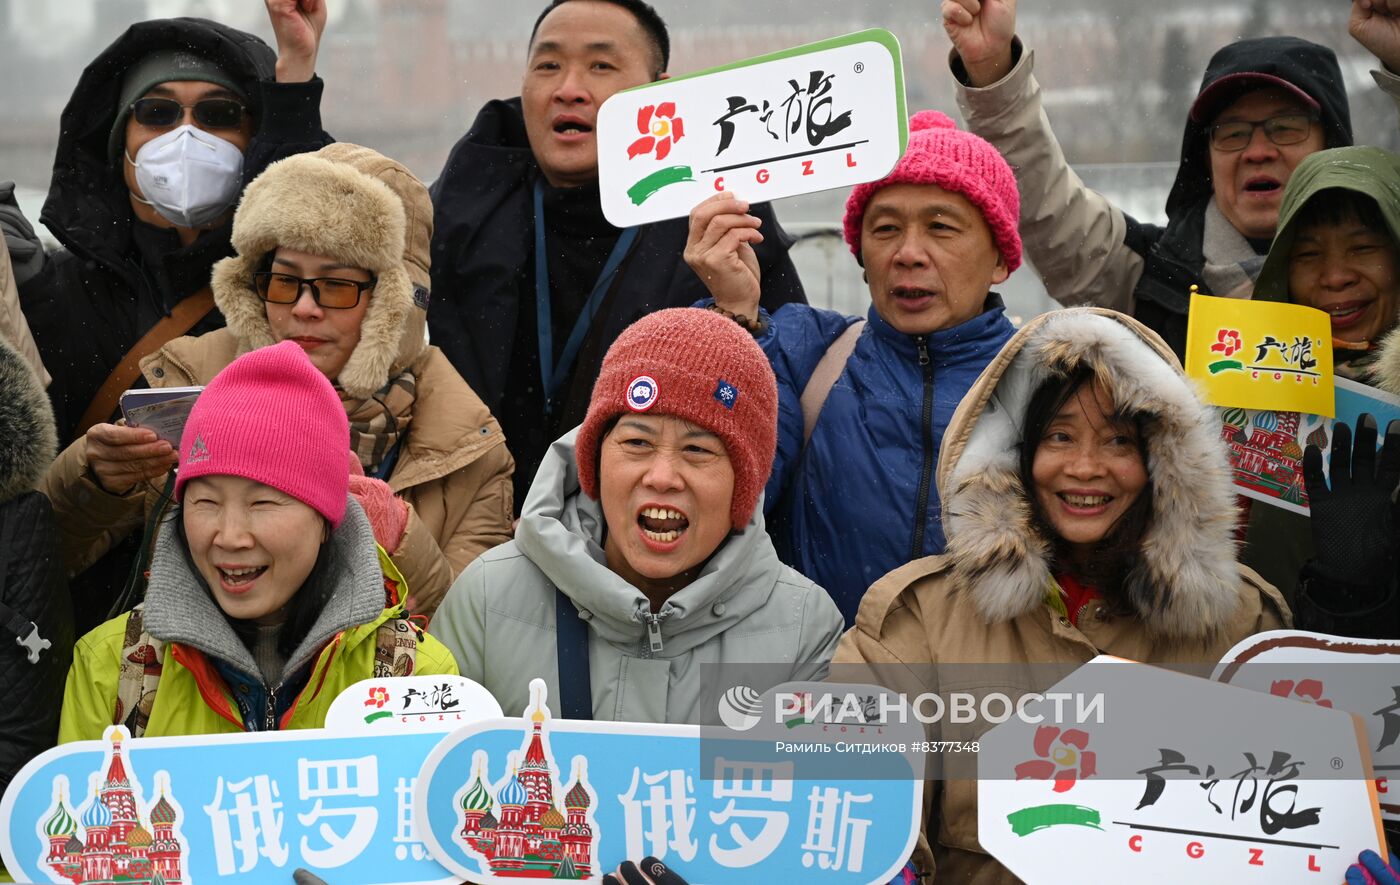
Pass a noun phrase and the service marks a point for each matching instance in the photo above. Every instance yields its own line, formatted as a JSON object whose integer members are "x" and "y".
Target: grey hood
{"x": 180, "y": 609}
{"x": 561, "y": 530}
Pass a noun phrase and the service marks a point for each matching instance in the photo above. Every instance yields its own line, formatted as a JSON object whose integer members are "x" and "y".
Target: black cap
{"x": 1300, "y": 67}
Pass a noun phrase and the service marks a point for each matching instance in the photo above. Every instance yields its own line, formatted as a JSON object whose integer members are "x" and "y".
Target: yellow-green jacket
{"x": 191, "y": 696}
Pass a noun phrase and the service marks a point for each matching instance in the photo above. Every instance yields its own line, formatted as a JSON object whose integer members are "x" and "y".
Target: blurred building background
{"x": 407, "y": 76}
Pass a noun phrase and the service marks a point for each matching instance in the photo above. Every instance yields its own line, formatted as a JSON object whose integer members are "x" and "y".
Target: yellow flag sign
{"x": 1261, "y": 354}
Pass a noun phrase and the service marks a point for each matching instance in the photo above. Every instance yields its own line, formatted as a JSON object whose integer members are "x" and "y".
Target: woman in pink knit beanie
{"x": 266, "y": 597}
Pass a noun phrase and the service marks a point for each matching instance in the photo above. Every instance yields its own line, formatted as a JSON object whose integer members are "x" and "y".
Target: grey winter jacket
{"x": 746, "y": 607}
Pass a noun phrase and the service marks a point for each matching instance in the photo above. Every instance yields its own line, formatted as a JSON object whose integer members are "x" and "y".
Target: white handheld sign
{"x": 1361, "y": 676}
{"x": 1178, "y": 779}
{"x": 825, "y": 115}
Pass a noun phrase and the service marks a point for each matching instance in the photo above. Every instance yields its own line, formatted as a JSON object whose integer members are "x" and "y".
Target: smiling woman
{"x": 641, "y": 555}
{"x": 1089, "y": 510}
{"x": 267, "y": 596}
{"x": 1338, "y": 250}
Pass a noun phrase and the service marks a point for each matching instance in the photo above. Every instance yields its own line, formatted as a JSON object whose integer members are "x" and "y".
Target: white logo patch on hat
{"x": 641, "y": 393}
{"x": 198, "y": 451}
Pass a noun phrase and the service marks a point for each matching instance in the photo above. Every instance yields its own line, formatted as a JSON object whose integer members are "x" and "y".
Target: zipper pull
{"x": 270, "y": 712}
{"x": 923, "y": 349}
{"x": 654, "y": 632}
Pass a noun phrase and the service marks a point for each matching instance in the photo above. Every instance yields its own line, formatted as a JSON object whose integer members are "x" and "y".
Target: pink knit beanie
{"x": 940, "y": 153}
{"x": 271, "y": 417}
{"x": 696, "y": 365}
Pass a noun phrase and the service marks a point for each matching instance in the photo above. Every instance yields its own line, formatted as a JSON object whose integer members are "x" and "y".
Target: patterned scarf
{"x": 1231, "y": 264}
{"x": 378, "y": 423}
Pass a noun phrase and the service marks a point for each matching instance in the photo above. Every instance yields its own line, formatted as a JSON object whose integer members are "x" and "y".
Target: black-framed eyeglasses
{"x": 216, "y": 113}
{"x": 333, "y": 293}
{"x": 1285, "y": 129}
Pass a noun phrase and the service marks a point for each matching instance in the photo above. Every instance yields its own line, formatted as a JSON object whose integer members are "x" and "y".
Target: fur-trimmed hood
{"x": 26, "y": 426}
{"x": 1185, "y": 582}
{"x": 355, "y": 205}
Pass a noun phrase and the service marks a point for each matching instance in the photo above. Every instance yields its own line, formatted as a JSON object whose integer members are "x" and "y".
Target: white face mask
{"x": 189, "y": 176}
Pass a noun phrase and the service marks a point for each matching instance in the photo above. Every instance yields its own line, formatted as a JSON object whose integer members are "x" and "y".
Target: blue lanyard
{"x": 553, "y": 375}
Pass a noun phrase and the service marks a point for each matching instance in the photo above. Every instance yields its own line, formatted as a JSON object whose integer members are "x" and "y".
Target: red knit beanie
{"x": 272, "y": 417}
{"x": 696, "y": 365}
{"x": 940, "y": 153}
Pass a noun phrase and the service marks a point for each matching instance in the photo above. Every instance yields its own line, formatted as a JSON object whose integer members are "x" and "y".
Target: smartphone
{"x": 163, "y": 410}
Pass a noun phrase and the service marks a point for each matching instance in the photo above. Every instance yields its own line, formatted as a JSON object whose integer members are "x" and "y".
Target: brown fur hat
{"x": 1185, "y": 581}
{"x": 354, "y": 205}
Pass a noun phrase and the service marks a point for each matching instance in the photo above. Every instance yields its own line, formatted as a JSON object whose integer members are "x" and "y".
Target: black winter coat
{"x": 484, "y": 280}
{"x": 33, "y": 593}
{"x": 116, "y": 278}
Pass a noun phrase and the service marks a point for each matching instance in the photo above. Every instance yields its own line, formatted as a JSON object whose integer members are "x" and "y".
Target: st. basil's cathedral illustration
{"x": 116, "y": 845}
{"x": 522, "y": 833}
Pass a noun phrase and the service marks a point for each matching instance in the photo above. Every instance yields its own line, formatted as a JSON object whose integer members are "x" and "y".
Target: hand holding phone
{"x": 161, "y": 410}
{"x": 120, "y": 457}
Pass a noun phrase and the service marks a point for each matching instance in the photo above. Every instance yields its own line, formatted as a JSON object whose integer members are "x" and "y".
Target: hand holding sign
{"x": 981, "y": 32}
{"x": 650, "y": 872}
{"x": 1352, "y": 522}
{"x": 1371, "y": 870}
{"x": 720, "y": 251}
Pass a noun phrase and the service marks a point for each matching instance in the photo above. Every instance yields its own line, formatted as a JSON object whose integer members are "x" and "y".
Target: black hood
{"x": 87, "y": 207}
{"x": 1305, "y": 65}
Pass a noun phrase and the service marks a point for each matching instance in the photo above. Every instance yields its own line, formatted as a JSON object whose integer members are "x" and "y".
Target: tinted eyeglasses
{"x": 216, "y": 113}
{"x": 1284, "y": 129}
{"x": 330, "y": 292}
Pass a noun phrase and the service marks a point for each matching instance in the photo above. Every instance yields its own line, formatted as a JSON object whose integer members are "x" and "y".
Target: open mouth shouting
{"x": 912, "y": 298}
{"x": 569, "y": 126}
{"x": 662, "y": 527}
{"x": 1263, "y": 186}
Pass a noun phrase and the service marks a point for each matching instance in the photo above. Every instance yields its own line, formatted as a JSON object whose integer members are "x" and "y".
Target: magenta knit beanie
{"x": 697, "y": 365}
{"x": 940, "y": 153}
{"x": 271, "y": 417}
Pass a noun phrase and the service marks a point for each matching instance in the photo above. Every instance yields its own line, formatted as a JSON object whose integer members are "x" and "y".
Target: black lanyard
{"x": 550, "y": 374}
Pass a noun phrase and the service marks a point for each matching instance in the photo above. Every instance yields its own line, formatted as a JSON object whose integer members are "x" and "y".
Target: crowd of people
{"x": 628, "y": 454}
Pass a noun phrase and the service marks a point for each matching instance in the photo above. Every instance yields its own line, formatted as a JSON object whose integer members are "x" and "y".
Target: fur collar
{"x": 1386, "y": 369}
{"x": 26, "y": 425}
{"x": 1185, "y": 582}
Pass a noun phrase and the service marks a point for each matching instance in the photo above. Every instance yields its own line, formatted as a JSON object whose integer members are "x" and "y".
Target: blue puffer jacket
{"x": 861, "y": 500}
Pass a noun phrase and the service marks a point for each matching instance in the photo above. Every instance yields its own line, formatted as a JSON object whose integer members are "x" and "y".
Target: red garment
{"x": 1076, "y": 595}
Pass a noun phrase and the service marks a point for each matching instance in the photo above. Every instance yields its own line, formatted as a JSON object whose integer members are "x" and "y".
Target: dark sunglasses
{"x": 329, "y": 292}
{"x": 216, "y": 113}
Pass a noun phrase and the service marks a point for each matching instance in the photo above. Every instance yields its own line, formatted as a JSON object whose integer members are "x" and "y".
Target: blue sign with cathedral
{"x": 496, "y": 800}
{"x": 220, "y": 808}
{"x": 532, "y": 798}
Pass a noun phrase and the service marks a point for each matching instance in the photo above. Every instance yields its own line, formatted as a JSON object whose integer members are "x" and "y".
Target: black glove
{"x": 652, "y": 872}
{"x": 1353, "y": 523}
{"x": 303, "y": 876}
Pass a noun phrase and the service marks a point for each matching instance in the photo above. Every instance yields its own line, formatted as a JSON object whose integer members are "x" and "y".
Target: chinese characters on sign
{"x": 826, "y": 115}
